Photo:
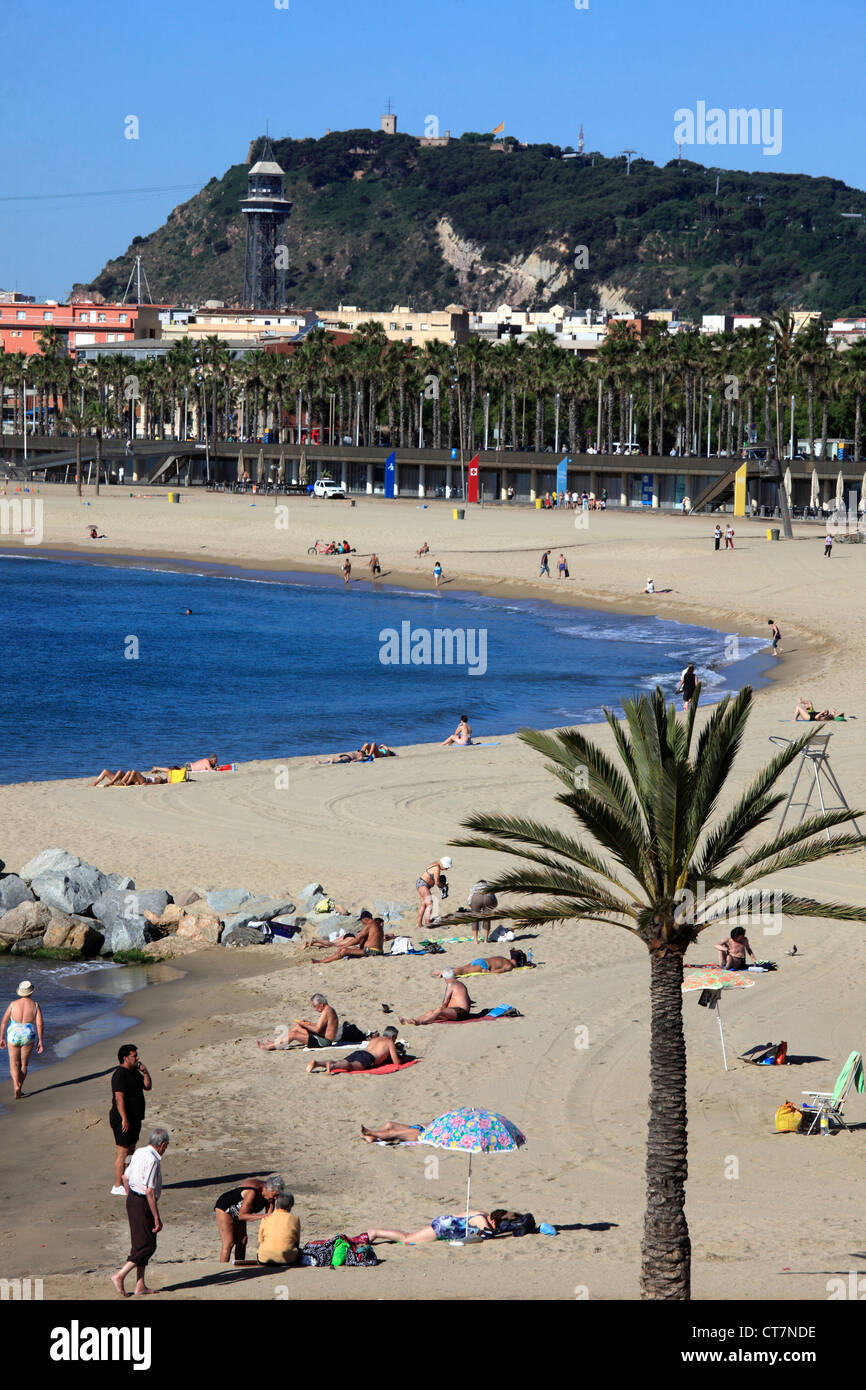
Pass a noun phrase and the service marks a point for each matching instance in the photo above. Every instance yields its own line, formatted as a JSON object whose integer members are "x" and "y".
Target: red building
{"x": 79, "y": 323}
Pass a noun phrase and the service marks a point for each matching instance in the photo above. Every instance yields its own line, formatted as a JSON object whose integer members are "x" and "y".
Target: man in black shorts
{"x": 129, "y": 1081}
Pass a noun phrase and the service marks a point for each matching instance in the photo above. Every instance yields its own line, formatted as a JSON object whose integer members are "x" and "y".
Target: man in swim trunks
{"x": 22, "y": 1026}
{"x": 392, "y": 1132}
{"x": 490, "y": 965}
{"x": 431, "y": 877}
{"x": 377, "y": 1052}
{"x": 455, "y": 1004}
{"x": 367, "y": 942}
{"x": 323, "y": 1033}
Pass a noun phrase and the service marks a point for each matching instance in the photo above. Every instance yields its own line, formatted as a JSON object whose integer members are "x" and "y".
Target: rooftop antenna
{"x": 628, "y": 155}
{"x": 679, "y": 152}
{"x": 580, "y": 139}
{"x": 137, "y": 271}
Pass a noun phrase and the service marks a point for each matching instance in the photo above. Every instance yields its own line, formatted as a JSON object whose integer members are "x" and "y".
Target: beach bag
{"x": 518, "y": 1225}
{"x": 788, "y": 1118}
{"x": 178, "y": 774}
{"x": 349, "y": 1033}
{"x": 401, "y": 946}
{"x": 323, "y": 905}
{"x": 767, "y": 1054}
{"x": 341, "y": 1250}
{"x": 432, "y": 948}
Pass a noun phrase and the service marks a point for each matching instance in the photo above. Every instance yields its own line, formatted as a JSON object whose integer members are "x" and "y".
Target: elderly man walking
{"x": 143, "y": 1183}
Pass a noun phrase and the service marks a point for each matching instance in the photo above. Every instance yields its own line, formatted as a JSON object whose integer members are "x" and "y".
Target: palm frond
{"x": 516, "y": 831}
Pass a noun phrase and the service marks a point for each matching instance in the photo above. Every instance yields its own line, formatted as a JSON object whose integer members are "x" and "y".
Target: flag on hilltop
{"x": 499, "y": 129}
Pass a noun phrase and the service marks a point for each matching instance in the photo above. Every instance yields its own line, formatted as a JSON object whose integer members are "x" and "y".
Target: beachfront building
{"x": 79, "y": 323}
{"x": 403, "y": 324}
{"x": 254, "y": 328}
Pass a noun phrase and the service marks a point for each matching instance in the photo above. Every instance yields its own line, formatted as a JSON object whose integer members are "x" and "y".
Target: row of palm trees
{"x": 687, "y": 393}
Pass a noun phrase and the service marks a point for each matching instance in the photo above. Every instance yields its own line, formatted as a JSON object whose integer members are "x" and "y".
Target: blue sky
{"x": 205, "y": 76}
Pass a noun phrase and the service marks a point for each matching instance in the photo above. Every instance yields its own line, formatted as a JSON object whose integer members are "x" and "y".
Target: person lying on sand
{"x": 367, "y": 942}
{"x": 493, "y": 965}
{"x": 132, "y": 778}
{"x": 199, "y": 765}
{"x": 806, "y": 710}
{"x": 367, "y": 750}
{"x": 449, "y": 1227}
{"x": 377, "y": 1052}
{"x": 365, "y": 917}
{"x": 455, "y": 1005}
{"x": 392, "y": 1132}
{"x": 323, "y": 1033}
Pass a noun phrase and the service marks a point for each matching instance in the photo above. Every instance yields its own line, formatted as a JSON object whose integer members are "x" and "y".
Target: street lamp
{"x": 555, "y": 425}
{"x": 486, "y": 417}
{"x": 357, "y": 419}
{"x": 420, "y": 419}
{"x": 709, "y": 421}
{"x": 24, "y": 411}
{"x": 793, "y": 408}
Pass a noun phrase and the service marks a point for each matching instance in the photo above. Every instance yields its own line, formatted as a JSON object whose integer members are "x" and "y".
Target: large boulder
{"x": 308, "y": 895}
{"x": 204, "y": 927}
{"x": 187, "y": 896}
{"x": 120, "y": 881}
{"x": 390, "y": 910}
{"x": 70, "y": 890}
{"x": 244, "y": 936}
{"x": 170, "y": 947}
{"x": 326, "y": 923}
{"x": 50, "y": 861}
{"x": 227, "y": 900}
{"x": 122, "y": 916}
{"x": 258, "y": 910}
{"x": 85, "y": 938}
{"x": 13, "y": 890}
{"x": 24, "y": 922}
{"x": 58, "y": 931}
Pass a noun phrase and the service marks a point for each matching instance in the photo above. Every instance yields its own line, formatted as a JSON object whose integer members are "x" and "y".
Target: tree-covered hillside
{"x": 379, "y": 220}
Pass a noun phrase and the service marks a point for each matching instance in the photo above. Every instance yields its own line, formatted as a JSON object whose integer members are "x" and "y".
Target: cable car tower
{"x": 266, "y": 210}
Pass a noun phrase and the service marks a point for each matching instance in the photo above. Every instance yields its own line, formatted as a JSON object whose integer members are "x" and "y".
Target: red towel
{"x": 377, "y": 1071}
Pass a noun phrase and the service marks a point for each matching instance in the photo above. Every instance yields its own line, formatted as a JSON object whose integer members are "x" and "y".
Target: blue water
{"x": 102, "y": 669}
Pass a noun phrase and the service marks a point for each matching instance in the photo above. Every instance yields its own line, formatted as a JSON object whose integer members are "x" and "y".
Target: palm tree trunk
{"x": 650, "y": 414}
{"x": 662, "y": 415}
{"x": 858, "y": 424}
{"x": 666, "y": 1248}
{"x": 513, "y": 414}
{"x": 811, "y": 420}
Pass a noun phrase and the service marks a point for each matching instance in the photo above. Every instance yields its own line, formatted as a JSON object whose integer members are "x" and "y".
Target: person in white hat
{"x": 22, "y": 1026}
{"x": 432, "y": 877}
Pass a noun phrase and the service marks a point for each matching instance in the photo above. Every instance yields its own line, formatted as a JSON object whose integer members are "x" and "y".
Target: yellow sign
{"x": 740, "y": 490}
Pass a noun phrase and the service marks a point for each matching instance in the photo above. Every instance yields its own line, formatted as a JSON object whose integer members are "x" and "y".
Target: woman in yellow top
{"x": 280, "y": 1233}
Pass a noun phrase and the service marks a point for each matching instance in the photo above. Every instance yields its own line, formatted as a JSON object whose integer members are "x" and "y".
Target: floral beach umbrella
{"x": 473, "y": 1132}
{"x": 715, "y": 978}
{"x": 814, "y": 500}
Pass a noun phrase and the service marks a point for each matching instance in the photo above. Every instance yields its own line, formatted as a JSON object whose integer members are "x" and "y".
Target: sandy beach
{"x": 788, "y": 1221}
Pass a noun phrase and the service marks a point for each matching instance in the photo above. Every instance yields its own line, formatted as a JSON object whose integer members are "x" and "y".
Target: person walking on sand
{"x": 776, "y": 636}
{"x": 347, "y": 570}
{"x": 437, "y": 573}
{"x": 729, "y": 537}
{"x": 431, "y": 877}
{"x": 562, "y": 567}
{"x": 375, "y": 567}
{"x": 828, "y": 544}
{"x": 455, "y": 1005}
{"x": 688, "y": 682}
{"x": 545, "y": 564}
{"x": 22, "y": 1026}
{"x": 717, "y": 535}
{"x": 129, "y": 1081}
{"x": 142, "y": 1183}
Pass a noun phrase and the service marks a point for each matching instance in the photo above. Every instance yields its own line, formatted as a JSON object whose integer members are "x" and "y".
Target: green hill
{"x": 379, "y": 220}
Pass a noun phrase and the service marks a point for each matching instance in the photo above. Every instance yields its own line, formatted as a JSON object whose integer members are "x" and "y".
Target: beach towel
{"x": 473, "y": 974}
{"x": 378, "y": 1071}
{"x": 486, "y": 1015}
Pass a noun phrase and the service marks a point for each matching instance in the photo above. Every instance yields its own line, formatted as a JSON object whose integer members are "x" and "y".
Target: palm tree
{"x": 101, "y": 418}
{"x": 77, "y": 420}
{"x": 654, "y": 813}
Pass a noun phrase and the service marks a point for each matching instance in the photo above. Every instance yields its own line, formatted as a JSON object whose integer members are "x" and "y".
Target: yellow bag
{"x": 788, "y": 1118}
{"x": 178, "y": 774}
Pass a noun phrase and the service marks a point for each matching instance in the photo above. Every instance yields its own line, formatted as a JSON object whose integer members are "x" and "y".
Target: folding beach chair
{"x": 827, "y": 1106}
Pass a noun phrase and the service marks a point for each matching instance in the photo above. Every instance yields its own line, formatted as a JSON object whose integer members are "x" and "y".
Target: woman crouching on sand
{"x": 253, "y": 1199}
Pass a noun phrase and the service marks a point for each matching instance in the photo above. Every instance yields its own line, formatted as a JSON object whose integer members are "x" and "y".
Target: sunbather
{"x": 132, "y": 778}
{"x": 358, "y": 755}
{"x": 323, "y": 1033}
{"x": 455, "y": 1005}
{"x": 441, "y": 1228}
{"x": 367, "y": 942}
{"x": 392, "y": 1132}
{"x": 200, "y": 765}
{"x": 806, "y": 710}
{"x": 492, "y": 965}
{"x": 376, "y": 1052}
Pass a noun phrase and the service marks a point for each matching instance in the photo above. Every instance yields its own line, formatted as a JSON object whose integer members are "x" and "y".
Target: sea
{"x": 103, "y": 668}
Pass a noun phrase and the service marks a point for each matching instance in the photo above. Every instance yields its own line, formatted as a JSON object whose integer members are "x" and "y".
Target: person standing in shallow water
{"x": 688, "y": 682}
{"x": 22, "y": 1026}
{"x": 776, "y": 636}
